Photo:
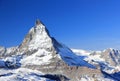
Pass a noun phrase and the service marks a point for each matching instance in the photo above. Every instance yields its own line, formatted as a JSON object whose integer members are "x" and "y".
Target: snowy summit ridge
{"x": 37, "y": 38}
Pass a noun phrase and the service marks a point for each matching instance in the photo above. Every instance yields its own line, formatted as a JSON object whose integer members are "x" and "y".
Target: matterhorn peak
{"x": 38, "y": 22}
{"x": 37, "y": 38}
{"x": 39, "y": 25}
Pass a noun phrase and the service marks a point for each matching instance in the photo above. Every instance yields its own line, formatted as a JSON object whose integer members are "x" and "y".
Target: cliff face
{"x": 37, "y": 38}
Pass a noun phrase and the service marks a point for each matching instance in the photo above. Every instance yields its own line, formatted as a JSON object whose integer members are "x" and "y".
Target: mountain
{"x": 37, "y": 38}
{"x": 108, "y": 56}
{"x": 41, "y": 57}
{"x": 108, "y": 61}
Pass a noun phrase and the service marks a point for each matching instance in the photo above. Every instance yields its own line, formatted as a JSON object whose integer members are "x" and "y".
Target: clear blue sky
{"x": 84, "y": 24}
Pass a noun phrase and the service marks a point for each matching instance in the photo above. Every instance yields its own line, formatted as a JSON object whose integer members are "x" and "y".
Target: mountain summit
{"x": 38, "y": 22}
{"x": 37, "y": 38}
{"x": 39, "y": 42}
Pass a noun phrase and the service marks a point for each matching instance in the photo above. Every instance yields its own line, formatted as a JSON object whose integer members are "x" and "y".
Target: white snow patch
{"x": 38, "y": 58}
{"x": 80, "y": 51}
{"x": 40, "y": 39}
{"x": 94, "y": 57}
{"x": 21, "y": 74}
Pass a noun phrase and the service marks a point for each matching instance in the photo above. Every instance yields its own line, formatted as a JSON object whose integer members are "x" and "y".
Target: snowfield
{"x": 21, "y": 74}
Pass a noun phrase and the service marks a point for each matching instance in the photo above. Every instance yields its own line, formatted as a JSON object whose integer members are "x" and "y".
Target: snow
{"x": 72, "y": 59}
{"x": 21, "y": 74}
{"x": 111, "y": 49}
{"x": 1, "y": 48}
{"x": 9, "y": 50}
{"x": 40, "y": 39}
{"x": 2, "y": 63}
{"x": 81, "y": 52}
{"x": 117, "y": 68}
{"x": 13, "y": 62}
{"x": 94, "y": 57}
{"x": 38, "y": 58}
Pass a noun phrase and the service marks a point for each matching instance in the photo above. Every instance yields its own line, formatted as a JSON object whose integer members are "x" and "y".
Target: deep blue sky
{"x": 84, "y": 24}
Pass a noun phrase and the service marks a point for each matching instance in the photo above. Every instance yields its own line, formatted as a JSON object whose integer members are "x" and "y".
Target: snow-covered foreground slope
{"x": 41, "y": 57}
{"x": 10, "y": 72}
{"x": 21, "y": 74}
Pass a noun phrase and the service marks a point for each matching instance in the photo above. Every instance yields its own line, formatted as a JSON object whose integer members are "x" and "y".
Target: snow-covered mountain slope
{"x": 41, "y": 48}
{"x": 24, "y": 74}
{"x": 2, "y": 50}
{"x": 69, "y": 57}
{"x": 21, "y": 74}
{"x": 42, "y": 57}
{"x": 108, "y": 60}
{"x": 37, "y": 38}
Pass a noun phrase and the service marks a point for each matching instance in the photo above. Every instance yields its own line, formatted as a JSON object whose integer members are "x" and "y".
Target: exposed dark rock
{"x": 8, "y": 74}
{"x": 13, "y": 62}
{"x": 56, "y": 77}
{"x": 38, "y": 22}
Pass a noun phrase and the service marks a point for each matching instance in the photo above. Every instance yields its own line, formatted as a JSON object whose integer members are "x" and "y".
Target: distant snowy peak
{"x": 37, "y": 38}
{"x": 109, "y": 49}
{"x": 2, "y": 50}
{"x": 81, "y": 52}
{"x": 112, "y": 56}
{"x": 8, "y": 51}
{"x": 108, "y": 59}
{"x": 108, "y": 56}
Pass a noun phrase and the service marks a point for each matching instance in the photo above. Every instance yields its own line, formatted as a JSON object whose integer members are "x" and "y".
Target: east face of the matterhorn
{"x": 41, "y": 57}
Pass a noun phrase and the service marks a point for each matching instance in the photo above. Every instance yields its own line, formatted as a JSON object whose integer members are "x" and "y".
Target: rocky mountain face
{"x": 107, "y": 61}
{"x": 37, "y": 38}
{"x": 41, "y": 57}
{"x": 111, "y": 56}
{"x": 110, "y": 60}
